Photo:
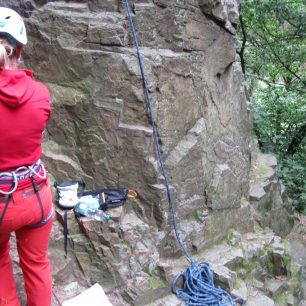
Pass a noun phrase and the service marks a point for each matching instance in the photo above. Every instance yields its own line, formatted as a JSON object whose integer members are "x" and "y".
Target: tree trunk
{"x": 297, "y": 139}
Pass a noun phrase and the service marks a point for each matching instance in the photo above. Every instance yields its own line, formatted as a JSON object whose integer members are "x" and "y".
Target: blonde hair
{"x": 7, "y": 53}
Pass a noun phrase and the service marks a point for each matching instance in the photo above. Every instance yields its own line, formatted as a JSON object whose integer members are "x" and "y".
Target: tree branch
{"x": 244, "y": 40}
{"x": 279, "y": 59}
{"x": 269, "y": 82}
{"x": 297, "y": 140}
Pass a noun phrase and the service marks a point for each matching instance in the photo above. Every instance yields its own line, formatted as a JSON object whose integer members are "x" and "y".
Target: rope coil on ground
{"x": 198, "y": 282}
{"x": 198, "y": 287}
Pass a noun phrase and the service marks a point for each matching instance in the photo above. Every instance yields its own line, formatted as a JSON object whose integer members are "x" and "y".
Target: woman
{"x": 25, "y": 197}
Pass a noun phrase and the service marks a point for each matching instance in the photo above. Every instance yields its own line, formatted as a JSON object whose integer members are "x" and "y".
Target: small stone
{"x": 290, "y": 300}
{"x": 115, "y": 213}
{"x": 240, "y": 290}
{"x": 258, "y": 284}
{"x": 276, "y": 287}
{"x": 259, "y": 300}
{"x": 224, "y": 254}
{"x": 256, "y": 193}
{"x": 259, "y": 273}
{"x": 71, "y": 287}
{"x": 268, "y": 160}
{"x": 234, "y": 238}
{"x": 170, "y": 300}
{"x": 224, "y": 277}
{"x": 252, "y": 249}
{"x": 277, "y": 243}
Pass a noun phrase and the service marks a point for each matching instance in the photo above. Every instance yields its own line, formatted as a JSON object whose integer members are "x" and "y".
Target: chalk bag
{"x": 67, "y": 193}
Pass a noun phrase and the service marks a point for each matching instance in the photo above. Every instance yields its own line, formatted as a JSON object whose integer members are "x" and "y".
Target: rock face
{"x": 100, "y": 131}
{"x": 269, "y": 201}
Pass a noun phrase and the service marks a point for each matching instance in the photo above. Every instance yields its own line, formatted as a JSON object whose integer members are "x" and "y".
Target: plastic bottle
{"x": 97, "y": 214}
{"x": 88, "y": 206}
{"x": 90, "y": 201}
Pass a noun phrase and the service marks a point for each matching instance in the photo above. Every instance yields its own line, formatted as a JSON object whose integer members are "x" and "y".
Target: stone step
{"x": 222, "y": 254}
{"x": 258, "y": 298}
{"x": 170, "y": 300}
{"x": 276, "y": 287}
{"x": 240, "y": 290}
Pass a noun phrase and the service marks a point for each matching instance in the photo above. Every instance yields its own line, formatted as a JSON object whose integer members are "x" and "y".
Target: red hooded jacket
{"x": 24, "y": 112}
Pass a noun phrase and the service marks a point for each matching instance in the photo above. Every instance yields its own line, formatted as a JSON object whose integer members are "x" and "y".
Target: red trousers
{"x": 32, "y": 244}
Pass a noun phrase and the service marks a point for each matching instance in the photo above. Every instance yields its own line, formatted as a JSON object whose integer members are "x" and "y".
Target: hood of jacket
{"x": 15, "y": 87}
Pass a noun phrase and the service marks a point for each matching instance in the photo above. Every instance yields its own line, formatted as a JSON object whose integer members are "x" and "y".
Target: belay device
{"x": 70, "y": 194}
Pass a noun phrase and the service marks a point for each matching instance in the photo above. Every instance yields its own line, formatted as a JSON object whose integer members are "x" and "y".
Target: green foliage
{"x": 293, "y": 175}
{"x": 275, "y": 47}
{"x": 272, "y": 52}
{"x": 157, "y": 282}
{"x": 278, "y": 115}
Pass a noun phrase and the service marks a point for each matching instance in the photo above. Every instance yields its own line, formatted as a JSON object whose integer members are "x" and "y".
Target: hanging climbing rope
{"x": 198, "y": 283}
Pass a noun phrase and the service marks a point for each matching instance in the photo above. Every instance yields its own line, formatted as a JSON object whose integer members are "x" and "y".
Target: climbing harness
{"x": 198, "y": 285}
{"x": 21, "y": 173}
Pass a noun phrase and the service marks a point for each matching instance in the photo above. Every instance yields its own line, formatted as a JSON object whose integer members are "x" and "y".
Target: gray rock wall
{"x": 100, "y": 131}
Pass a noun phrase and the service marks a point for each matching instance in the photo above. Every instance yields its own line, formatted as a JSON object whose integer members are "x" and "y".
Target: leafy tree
{"x": 272, "y": 53}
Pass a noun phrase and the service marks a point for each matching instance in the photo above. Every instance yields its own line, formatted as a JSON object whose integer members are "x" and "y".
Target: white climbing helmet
{"x": 12, "y": 26}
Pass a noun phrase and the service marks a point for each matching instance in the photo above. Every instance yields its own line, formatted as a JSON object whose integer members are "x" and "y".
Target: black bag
{"x": 111, "y": 197}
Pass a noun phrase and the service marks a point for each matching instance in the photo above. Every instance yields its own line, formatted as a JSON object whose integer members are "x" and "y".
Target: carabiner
{"x": 132, "y": 194}
{"x": 15, "y": 183}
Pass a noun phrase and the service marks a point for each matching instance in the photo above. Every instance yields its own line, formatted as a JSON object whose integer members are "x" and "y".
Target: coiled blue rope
{"x": 198, "y": 282}
{"x": 198, "y": 287}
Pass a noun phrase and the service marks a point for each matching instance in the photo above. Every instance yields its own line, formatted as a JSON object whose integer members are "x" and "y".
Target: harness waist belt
{"x": 21, "y": 173}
